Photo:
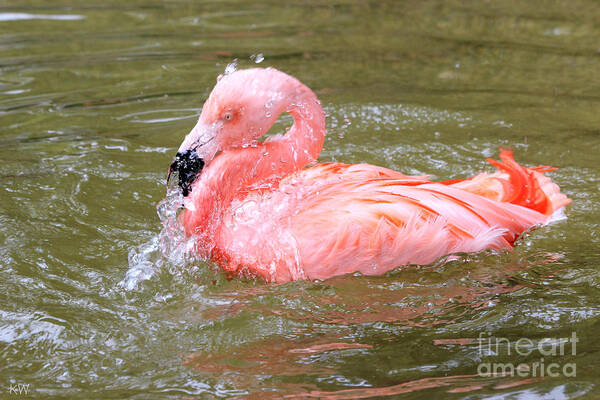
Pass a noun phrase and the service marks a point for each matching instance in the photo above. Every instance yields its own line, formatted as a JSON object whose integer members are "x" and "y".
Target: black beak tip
{"x": 188, "y": 165}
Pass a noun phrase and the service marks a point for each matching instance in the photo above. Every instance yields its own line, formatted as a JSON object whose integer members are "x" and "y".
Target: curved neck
{"x": 233, "y": 173}
{"x": 302, "y": 143}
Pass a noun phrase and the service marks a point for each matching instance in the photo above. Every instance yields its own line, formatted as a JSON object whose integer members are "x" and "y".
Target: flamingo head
{"x": 240, "y": 109}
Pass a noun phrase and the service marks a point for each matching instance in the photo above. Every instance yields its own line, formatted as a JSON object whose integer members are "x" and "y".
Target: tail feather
{"x": 515, "y": 184}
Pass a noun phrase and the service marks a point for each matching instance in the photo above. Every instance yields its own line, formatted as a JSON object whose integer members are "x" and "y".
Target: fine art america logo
{"x": 541, "y": 350}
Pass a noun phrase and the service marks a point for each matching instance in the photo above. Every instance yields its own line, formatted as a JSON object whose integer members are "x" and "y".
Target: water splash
{"x": 268, "y": 107}
{"x": 169, "y": 249}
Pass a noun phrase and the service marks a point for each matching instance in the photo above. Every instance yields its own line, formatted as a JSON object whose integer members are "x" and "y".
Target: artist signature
{"x": 18, "y": 388}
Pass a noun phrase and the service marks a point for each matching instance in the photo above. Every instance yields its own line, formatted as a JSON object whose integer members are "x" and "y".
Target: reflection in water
{"x": 435, "y": 297}
{"x": 269, "y": 357}
{"x": 457, "y": 384}
{"x": 415, "y": 296}
{"x": 25, "y": 16}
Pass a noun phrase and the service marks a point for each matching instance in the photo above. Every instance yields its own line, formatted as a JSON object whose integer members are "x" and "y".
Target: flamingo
{"x": 254, "y": 208}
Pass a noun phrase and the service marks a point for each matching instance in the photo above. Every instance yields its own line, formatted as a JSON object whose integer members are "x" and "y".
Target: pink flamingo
{"x": 255, "y": 210}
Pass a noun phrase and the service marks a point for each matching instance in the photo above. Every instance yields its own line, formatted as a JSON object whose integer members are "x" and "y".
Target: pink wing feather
{"x": 338, "y": 218}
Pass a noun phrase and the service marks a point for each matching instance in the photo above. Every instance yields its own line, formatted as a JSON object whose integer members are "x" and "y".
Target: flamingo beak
{"x": 197, "y": 149}
{"x": 188, "y": 166}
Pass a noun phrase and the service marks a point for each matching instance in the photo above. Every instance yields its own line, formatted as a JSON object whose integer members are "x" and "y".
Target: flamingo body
{"x": 254, "y": 209}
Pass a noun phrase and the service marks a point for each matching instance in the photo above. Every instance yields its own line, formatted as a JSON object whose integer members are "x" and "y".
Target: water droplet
{"x": 231, "y": 67}
{"x": 259, "y": 58}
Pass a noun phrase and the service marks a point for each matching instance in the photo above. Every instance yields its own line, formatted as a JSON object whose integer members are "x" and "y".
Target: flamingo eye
{"x": 228, "y": 116}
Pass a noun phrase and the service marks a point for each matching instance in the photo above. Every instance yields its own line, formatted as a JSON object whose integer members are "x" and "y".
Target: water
{"x": 96, "y": 97}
